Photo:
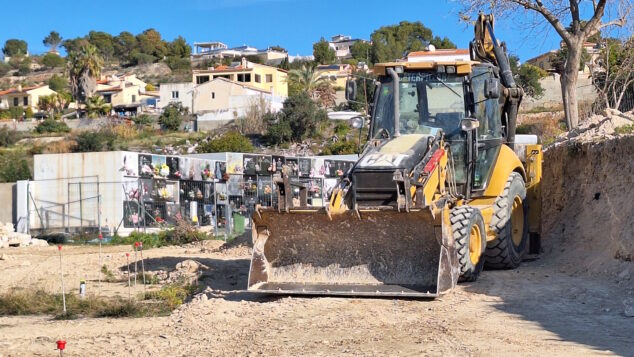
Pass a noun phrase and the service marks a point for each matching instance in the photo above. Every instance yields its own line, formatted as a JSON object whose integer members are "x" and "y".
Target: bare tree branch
{"x": 549, "y": 16}
{"x": 574, "y": 11}
{"x": 592, "y": 25}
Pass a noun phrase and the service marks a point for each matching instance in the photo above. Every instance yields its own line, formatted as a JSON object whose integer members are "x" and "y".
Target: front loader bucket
{"x": 380, "y": 253}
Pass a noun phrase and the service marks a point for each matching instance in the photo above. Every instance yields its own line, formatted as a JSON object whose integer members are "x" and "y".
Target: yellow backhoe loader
{"x": 442, "y": 189}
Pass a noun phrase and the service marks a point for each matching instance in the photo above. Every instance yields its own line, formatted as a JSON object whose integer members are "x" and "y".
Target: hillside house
{"x": 267, "y": 78}
{"x": 176, "y": 93}
{"x": 126, "y": 93}
{"x": 341, "y": 44}
{"x": 24, "y": 96}
{"x": 221, "y": 100}
{"x": 210, "y": 51}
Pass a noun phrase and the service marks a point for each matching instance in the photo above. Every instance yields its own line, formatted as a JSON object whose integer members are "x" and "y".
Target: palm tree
{"x": 307, "y": 79}
{"x": 96, "y": 106}
{"x": 84, "y": 66}
{"x": 314, "y": 83}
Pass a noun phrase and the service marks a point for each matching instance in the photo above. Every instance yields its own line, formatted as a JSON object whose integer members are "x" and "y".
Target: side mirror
{"x": 357, "y": 122}
{"x": 469, "y": 124}
{"x": 491, "y": 88}
{"x": 351, "y": 89}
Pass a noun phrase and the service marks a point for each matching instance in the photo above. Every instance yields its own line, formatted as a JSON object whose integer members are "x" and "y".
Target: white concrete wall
{"x": 184, "y": 94}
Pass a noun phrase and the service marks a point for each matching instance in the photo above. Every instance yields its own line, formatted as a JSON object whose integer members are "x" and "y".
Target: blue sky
{"x": 293, "y": 24}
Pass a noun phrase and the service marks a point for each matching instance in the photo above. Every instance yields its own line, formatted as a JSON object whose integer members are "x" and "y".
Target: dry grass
{"x": 19, "y": 301}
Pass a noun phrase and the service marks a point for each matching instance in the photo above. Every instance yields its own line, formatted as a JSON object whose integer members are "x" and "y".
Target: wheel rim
{"x": 517, "y": 221}
{"x": 475, "y": 244}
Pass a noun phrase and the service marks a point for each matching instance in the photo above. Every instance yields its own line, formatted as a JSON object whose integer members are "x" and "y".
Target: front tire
{"x": 510, "y": 225}
{"x": 470, "y": 241}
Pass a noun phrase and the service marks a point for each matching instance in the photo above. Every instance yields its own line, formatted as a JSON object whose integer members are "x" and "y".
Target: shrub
{"x": 301, "y": 114}
{"x": 342, "y": 128}
{"x": 28, "y": 113}
{"x": 16, "y": 112}
{"x": 24, "y": 68}
{"x": 232, "y": 141}
{"x": 142, "y": 58}
{"x": 341, "y": 148}
{"x": 8, "y": 136}
{"x": 14, "y": 167}
{"x": 149, "y": 87}
{"x": 4, "y": 68}
{"x": 52, "y": 126}
{"x": 625, "y": 129}
{"x": 51, "y": 60}
{"x": 178, "y": 64}
{"x": 90, "y": 141}
{"x": 172, "y": 295}
{"x": 143, "y": 119}
{"x": 171, "y": 118}
{"x": 57, "y": 83}
{"x": 279, "y": 133}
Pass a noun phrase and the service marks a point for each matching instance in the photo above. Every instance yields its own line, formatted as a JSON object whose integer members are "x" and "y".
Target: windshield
{"x": 428, "y": 102}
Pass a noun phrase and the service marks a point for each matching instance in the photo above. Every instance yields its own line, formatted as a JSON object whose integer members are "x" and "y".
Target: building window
{"x": 269, "y": 78}
{"x": 25, "y": 101}
{"x": 133, "y": 98}
{"x": 258, "y": 78}
{"x": 107, "y": 98}
{"x": 16, "y": 101}
{"x": 174, "y": 94}
{"x": 213, "y": 95}
{"x": 202, "y": 79}
{"x": 244, "y": 77}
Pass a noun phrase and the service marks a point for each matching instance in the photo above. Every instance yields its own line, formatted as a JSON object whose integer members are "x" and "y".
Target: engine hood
{"x": 402, "y": 152}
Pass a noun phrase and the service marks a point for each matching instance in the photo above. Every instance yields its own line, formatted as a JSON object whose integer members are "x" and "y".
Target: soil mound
{"x": 588, "y": 203}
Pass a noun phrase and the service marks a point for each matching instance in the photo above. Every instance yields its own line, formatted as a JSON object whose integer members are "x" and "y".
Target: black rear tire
{"x": 503, "y": 252}
{"x": 467, "y": 224}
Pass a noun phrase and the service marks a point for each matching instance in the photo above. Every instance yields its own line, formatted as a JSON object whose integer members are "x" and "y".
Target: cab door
{"x": 488, "y": 136}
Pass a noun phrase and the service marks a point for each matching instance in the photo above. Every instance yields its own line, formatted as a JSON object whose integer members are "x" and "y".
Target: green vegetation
{"x": 232, "y": 141}
{"x": 391, "y": 42}
{"x": 8, "y": 136}
{"x": 172, "y": 116}
{"x": 22, "y": 302}
{"x": 323, "y": 53}
{"x": 527, "y": 77}
{"x": 4, "y": 68}
{"x": 52, "y": 126}
{"x": 16, "y": 112}
{"x": 57, "y": 83}
{"x": 299, "y": 119}
{"x": 52, "y": 60}
{"x": 96, "y": 106}
{"x": 14, "y": 166}
{"x": 85, "y": 66}
{"x": 14, "y": 47}
{"x": 182, "y": 233}
{"x": 52, "y": 40}
{"x": 341, "y": 147}
{"x": 89, "y": 141}
{"x": 143, "y": 119}
{"x": 172, "y": 295}
{"x": 625, "y": 129}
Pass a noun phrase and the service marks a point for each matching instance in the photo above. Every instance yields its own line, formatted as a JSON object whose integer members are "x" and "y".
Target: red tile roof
{"x": 24, "y": 89}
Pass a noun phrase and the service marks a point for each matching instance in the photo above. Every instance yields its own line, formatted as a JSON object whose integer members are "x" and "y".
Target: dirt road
{"x": 534, "y": 310}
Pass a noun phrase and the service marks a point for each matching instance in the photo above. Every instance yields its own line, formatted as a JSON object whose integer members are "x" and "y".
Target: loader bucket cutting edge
{"x": 383, "y": 253}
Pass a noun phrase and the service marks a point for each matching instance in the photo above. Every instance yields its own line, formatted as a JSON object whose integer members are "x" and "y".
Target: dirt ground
{"x": 534, "y": 310}
{"x": 570, "y": 301}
